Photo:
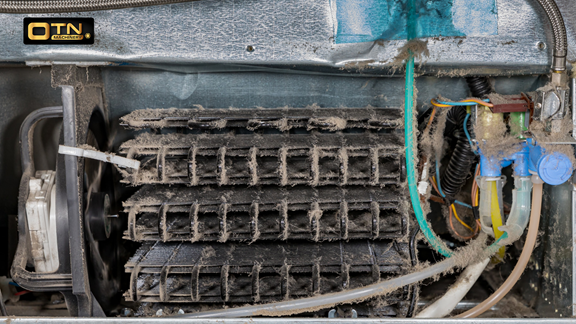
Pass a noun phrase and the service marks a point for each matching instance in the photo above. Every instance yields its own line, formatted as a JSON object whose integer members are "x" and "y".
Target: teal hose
{"x": 434, "y": 241}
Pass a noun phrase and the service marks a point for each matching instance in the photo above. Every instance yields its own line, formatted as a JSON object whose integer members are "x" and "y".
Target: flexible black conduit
{"x": 462, "y": 157}
{"x": 479, "y": 86}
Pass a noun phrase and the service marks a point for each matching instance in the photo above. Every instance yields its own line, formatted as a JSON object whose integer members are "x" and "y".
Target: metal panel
{"x": 283, "y": 32}
{"x": 293, "y": 320}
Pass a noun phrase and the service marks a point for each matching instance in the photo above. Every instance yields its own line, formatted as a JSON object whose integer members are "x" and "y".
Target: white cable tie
{"x": 100, "y": 156}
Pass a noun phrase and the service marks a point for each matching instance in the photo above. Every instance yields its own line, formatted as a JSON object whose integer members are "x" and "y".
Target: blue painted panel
{"x": 369, "y": 20}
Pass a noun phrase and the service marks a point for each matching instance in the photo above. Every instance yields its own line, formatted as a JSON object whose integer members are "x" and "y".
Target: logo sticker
{"x": 58, "y": 31}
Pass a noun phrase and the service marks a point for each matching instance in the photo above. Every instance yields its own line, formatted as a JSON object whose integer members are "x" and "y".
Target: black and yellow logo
{"x": 40, "y": 30}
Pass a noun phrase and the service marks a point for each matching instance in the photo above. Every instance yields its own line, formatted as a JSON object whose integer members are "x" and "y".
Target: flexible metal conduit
{"x": 59, "y": 6}
{"x": 559, "y": 32}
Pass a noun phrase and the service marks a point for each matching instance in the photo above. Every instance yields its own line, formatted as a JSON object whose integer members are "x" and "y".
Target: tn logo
{"x": 46, "y": 27}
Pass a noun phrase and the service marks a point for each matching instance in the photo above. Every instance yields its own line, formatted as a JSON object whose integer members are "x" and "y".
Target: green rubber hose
{"x": 434, "y": 241}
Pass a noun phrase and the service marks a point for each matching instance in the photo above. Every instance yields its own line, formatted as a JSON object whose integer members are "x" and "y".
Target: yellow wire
{"x": 435, "y": 103}
{"x": 454, "y": 210}
{"x": 480, "y": 102}
{"x": 458, "y": 218}
{"x": 477, "y": 194}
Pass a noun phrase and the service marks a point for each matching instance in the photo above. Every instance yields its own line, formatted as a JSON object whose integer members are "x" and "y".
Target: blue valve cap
{"x": 555, "y": 168}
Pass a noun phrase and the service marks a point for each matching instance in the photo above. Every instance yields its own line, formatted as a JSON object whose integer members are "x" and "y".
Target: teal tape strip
{"x": 369, "y": 20}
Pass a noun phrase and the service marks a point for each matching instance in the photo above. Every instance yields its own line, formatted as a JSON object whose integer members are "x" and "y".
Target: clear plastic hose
{"x": 524, "y": 256}
{"x": 296, "y": 306}
{"x": 520, "y": 211}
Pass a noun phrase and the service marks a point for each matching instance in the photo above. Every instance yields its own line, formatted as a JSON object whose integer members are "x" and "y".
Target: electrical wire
{"x": 430, "y": 120}
{"x": 454, "y": 230}
{"x": 433, "y": 181}
{"x": 459, "y": 220}
{"x": 436, "y": 104}
{"x": 465, "y": 102}
{"x": 439, "y": 188}
{"x": 468, "y": 134}
{"x": 463, "y": 204}
{"x": 474, "y": 193}
{"x": 438, "y": 177}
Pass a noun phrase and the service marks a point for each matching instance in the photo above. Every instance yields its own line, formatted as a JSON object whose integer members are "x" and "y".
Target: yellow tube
{"x": 496, "y": 217}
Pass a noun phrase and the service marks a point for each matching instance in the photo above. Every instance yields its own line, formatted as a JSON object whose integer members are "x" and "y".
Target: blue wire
{"x": 440, "y": 187}
{"x": 438, "y": 178}
{"x": 12, "y": 283}
{"x": 468, "y": 134}
{"x": 460, "y": 103}
{"x": 462, "y": 204}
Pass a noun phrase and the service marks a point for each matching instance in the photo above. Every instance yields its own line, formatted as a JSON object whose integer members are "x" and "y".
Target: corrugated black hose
{"x": 479, "y": 86}
{"x": 456, "y": 172}
{"x": 462, "y": 157}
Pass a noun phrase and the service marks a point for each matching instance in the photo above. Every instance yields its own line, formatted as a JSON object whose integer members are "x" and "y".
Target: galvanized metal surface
{"x": 261, "y": 32}
{"x": 293, "y": 320}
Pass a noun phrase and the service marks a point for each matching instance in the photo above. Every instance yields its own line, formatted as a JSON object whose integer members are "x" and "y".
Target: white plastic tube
{"x": 445, "y": 305}
{"x": 520, "y": 211}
